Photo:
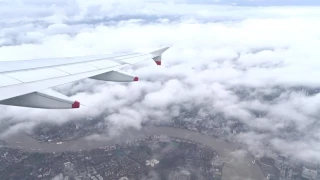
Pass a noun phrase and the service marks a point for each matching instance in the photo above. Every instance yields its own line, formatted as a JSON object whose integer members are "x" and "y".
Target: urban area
{"x": 161, "y": 156}
{"x": 158, "y": 155}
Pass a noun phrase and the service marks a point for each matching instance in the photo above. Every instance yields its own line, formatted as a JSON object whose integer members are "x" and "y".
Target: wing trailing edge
{"x": 115, "y": 76}
{"x": 48, "y": 99}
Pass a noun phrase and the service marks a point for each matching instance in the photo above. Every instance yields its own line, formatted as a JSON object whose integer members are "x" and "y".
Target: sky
{"x": 257, "y": 2}
{"x": 256, "y": 65}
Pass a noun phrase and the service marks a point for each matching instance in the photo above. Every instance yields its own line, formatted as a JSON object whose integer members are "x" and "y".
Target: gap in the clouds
{"x": 189, "y": 116}
{"x": 70, "y": 130}
{"x": 124, "y": 19}
{"x": 269, "y": 94}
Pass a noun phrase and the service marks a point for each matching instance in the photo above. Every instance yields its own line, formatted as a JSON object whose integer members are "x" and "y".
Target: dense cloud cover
{"x": 256, "y": 65}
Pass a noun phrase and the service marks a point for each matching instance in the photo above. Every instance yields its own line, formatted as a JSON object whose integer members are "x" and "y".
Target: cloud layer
{"x": 256, "y": 66}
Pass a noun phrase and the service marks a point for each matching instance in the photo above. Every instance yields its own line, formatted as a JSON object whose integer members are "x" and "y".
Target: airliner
{"x": 28, "y": 83}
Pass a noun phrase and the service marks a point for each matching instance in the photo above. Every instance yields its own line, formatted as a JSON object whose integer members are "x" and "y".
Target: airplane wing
{"x": 27, "y": 83}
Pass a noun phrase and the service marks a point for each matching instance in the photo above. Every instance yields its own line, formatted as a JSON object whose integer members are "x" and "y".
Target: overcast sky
{"x": 259, "y": 2}
{"x": 238, "y": 61}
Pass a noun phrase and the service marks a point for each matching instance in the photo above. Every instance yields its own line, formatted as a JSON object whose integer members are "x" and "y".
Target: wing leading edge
{"x": 27, "y": 83}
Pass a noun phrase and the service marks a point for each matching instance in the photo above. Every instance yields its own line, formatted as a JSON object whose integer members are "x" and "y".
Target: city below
{"x": 167, "y": 150}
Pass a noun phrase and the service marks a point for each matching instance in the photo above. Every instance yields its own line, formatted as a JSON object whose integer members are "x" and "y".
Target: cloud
{"x": 255, "y": 66}
{"x": 58, "y": 177}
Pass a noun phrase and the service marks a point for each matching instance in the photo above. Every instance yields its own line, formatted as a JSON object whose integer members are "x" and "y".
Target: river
{"x": 238, "y": 166}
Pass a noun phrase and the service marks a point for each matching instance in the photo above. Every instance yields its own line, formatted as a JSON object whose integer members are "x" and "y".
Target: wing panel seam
{"x": 12, "y": 78}
{"x": 61, "y": 70}
{"x": 94, "y": 66}
{"x": 111, "y": 58}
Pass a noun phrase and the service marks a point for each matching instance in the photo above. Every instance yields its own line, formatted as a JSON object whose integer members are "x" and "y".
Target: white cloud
{"x": 228, "y": 60}
{"x": 58, "y": 177}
